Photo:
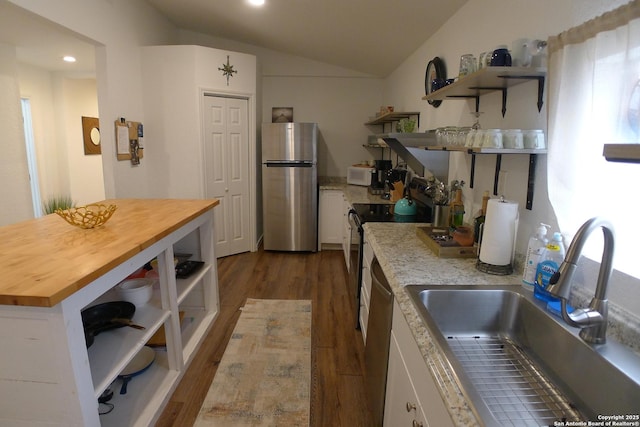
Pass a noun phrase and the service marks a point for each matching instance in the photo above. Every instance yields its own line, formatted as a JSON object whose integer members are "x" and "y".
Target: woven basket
{"x": 89, "y": 216}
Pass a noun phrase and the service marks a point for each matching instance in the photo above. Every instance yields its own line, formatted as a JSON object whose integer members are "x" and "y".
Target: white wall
{"x": 77, "y": 98}
{"x": 36, "y": 84}
{"x": 118, "y": 28}
{"x": 478, "y": 28}
{"x": 57, "y": 105}
{"x": 174, "y": 79}
{"x": 338, "y": 99}
{"x": 15, "y": 192}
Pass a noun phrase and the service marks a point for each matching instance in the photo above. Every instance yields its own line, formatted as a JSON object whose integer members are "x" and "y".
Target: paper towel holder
{"x": 499, "y": 270}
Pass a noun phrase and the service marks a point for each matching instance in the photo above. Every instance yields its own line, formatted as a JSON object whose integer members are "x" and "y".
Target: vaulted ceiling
{"x": 370, "y": 36}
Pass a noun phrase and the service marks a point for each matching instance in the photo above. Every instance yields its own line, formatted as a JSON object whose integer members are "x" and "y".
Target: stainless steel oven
{"x": 380, "y": 212}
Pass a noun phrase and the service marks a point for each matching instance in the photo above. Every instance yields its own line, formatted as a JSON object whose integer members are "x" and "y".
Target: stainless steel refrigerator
{"x": 290, "y": 186}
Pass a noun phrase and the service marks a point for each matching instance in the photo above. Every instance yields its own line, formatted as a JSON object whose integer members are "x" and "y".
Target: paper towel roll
{"x": 499, "y": 235}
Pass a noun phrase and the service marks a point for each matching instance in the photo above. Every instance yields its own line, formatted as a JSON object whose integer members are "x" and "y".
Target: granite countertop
{"x": 353, "y": 193}
{"x": 406, "y": 260}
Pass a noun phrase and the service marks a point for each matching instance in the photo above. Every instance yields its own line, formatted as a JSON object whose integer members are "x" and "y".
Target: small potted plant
{"x": 53, "y": 203}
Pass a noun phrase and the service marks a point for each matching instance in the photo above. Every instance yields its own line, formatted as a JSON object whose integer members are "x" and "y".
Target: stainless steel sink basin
{"x": 520, "y": 365}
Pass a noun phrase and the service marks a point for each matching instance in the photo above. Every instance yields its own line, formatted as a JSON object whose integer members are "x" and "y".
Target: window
{"x": 594, "y": 90}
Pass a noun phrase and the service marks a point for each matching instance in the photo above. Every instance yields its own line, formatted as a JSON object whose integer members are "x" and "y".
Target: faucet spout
{"x": 592, "y": 320}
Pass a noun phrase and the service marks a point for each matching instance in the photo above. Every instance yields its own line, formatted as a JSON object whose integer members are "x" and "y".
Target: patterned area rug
{"x": 265, "y": 372}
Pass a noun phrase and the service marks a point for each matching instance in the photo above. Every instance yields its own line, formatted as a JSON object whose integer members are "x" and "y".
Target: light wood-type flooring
{"x": 337, "y": 390}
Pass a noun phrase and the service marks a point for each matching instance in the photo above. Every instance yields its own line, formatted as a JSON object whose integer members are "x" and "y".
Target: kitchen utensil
{"x": 468, "y": 64}
{"x": 501, "y": 57}
{"x": 99, "y": 318}
{"x": 440, "y": 216}
{"x": 128, "y": 322}
{"x": 140, "y": 363}
{"x": 405, "y": 206}
{"x": 137, "y": 291}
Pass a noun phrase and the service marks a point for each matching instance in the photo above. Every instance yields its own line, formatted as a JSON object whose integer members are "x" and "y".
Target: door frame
{"x": 253, "y": 159}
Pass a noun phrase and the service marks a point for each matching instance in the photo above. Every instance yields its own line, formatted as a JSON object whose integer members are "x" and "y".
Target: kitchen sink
{"x": 520, "y": 365}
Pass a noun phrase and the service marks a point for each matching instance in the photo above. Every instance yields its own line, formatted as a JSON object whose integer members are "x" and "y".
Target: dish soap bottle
{"x": 552, "y": 257}
{"x": 537, "y": 243}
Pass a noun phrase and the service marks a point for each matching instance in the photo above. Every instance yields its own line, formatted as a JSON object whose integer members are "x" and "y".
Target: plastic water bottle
{"x": 537, "y": 243}
{"x": 552, "y": 257}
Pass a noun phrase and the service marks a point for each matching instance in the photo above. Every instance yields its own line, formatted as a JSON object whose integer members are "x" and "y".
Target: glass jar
{"x": 461, "y": 137}
{"x": 441, "y": 138}
{"x": 470, "y": 138}
{"x": 468, "y": 64}
{"x": 452, "y": 134}
{"x": 478, "y": 140}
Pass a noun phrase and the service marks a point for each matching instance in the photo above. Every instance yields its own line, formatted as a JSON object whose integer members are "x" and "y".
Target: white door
{"x": 226, "y": 151}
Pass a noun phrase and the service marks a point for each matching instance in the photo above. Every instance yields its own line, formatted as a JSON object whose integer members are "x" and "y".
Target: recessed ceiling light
{"x": 68, "y": 58}
{"x": 256, "y": 2}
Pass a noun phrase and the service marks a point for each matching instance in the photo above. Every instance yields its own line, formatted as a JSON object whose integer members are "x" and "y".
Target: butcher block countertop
{"x": 45, "y": 260}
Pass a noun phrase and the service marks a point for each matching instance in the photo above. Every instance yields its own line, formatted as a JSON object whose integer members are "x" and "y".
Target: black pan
{"x": 106, "y": 316}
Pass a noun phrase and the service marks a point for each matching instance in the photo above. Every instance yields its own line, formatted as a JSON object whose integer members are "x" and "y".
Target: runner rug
{"x": 264, "y": 376}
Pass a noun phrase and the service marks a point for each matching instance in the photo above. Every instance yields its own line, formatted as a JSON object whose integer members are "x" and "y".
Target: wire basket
{"x": 89, "y": 216}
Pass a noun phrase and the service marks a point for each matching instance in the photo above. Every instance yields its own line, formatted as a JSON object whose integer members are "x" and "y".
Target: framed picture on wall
{"x": 91, "y": 135}
{"x": 282, "y": 115}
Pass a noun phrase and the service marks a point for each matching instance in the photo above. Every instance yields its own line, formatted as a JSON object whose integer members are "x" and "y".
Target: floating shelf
{"x": 624, "y": 153}
{"x": 393, "y": 117}
{"x": 490, "y": 79}
{"x": 484, "y": 150}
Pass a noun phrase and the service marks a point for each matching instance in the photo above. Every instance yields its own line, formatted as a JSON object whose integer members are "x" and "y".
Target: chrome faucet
{"x": 592, "y": 320}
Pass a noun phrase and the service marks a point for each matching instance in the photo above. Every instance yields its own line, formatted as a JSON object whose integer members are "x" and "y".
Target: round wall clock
{"x": 435, "y": 70}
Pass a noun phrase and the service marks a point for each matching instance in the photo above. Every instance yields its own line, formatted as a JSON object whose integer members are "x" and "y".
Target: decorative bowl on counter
{"x": 89, "y": 216}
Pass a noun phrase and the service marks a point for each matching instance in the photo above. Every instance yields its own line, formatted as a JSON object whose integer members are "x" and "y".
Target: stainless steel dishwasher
{"x": 376, "y": 352}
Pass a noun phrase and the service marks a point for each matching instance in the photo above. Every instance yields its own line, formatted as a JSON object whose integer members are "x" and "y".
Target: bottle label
{"x": 545, "y": 270}
{"x": 533, "y": 257}
{"x": 553, "y": 246}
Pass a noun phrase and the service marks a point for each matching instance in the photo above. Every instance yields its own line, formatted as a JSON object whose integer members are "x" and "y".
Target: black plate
{"x": 435, "y": 70}
{"x": 99, "y": 318}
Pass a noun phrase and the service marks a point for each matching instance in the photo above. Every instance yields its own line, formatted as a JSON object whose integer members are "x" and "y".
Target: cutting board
{"x": 439, "y": 241}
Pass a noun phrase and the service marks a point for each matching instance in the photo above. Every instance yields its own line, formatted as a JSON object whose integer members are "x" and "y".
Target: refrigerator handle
{"x": 288, "y": 164}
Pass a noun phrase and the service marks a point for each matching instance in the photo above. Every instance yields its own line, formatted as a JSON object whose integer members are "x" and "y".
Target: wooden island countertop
{"x": 44, "y": 260}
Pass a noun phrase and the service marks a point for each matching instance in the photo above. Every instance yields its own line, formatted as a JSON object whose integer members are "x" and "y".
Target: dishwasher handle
{"x": 379, "y": 281}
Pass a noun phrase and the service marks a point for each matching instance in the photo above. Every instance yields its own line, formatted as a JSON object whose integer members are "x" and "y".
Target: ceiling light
{"x": 256, "y": 2}
{"x": 68, "y": 58}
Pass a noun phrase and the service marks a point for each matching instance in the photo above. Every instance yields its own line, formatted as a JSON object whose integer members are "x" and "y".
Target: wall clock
{"x": 435, "y": 70}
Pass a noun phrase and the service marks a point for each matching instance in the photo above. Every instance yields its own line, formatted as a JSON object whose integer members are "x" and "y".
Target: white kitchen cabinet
{"x": 412, "y": 394}
{"x": 49, "y": 376}
{"x": 401, "y": 400}
{"x": 330, "y": 218}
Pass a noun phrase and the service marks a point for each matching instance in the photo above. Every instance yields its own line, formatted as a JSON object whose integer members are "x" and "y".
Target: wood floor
{"x": 337, "y": 391}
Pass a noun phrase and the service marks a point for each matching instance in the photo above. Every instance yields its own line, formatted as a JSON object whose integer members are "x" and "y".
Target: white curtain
{"x": 594, "y": 99}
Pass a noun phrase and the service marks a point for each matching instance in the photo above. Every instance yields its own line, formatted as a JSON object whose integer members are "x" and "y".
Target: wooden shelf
{"x": 490, "y": 79}
{"x": 392, "y": 117}
{"x": 623, "y": 153}
{"x": 483, "y": 150}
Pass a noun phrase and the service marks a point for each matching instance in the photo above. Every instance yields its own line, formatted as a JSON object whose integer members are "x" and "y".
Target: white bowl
{"x": 135, "y": 291}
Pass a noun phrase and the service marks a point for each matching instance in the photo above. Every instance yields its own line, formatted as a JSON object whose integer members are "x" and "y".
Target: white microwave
{"x": 359, "y": 175}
